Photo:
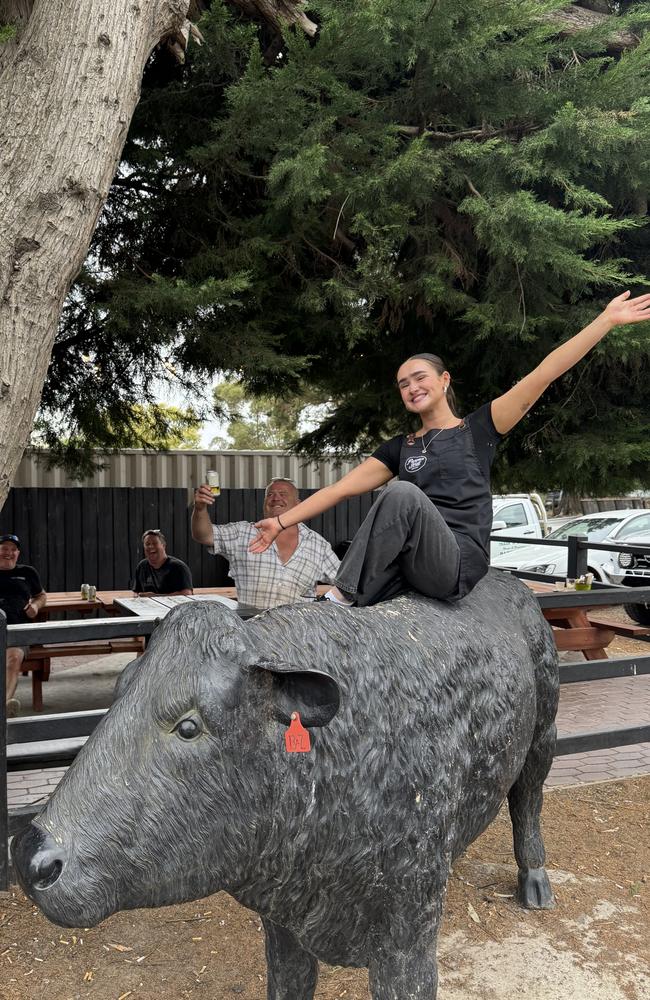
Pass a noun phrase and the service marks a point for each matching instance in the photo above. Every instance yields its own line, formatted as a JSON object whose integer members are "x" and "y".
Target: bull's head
{"x": 176, "y": 792}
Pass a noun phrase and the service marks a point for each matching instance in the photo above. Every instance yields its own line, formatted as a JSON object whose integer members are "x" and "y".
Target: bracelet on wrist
{"x": 282, "y": 527}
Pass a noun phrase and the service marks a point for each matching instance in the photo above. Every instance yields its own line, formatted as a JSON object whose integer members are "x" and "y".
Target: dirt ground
{"x": 594, "y": 946}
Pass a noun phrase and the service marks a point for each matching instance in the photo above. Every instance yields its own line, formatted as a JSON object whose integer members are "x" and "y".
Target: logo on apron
{"x": 414, "y": 464}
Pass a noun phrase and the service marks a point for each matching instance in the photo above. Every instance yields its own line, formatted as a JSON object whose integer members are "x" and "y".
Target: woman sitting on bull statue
{"x": 429, "y": 530}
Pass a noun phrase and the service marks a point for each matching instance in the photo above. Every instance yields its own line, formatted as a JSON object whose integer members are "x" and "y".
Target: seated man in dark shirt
{"x": 159, "y": 573}
{"x": 21, "y": 598}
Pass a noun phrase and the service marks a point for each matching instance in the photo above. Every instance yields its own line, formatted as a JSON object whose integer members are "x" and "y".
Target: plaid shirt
{"x": 262, "y": 580}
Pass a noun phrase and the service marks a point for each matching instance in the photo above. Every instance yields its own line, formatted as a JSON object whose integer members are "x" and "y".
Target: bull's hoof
{"x": 534, "y": 890}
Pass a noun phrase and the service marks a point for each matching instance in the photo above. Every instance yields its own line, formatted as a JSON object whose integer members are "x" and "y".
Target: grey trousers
{"x": 403, "y": 544}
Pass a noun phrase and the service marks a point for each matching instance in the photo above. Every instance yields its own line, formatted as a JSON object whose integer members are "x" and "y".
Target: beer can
{"x": 85, "y": 592}
{"x": 92, "y": 593}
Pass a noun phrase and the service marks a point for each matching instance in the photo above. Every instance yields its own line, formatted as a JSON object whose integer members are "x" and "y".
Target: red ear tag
{"x": 296, "y": 737}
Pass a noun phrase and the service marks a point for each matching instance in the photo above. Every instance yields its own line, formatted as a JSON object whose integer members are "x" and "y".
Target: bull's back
{"x": 438, "y": 709}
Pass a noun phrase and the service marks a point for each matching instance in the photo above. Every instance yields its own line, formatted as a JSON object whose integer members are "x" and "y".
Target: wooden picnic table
{"x": 159, "y": 605}
{"x": 571, "y": 627}
{"x": 71, "y": 600}
{"x": 67, "y": 600}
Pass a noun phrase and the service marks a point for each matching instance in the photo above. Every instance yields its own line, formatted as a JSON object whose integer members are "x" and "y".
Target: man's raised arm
{"x": 201, "y": 523}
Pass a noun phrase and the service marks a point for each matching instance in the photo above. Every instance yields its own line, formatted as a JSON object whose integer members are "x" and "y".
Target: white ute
{"x": 520, "y": 515}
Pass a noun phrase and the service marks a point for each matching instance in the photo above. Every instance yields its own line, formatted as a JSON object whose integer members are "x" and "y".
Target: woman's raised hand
{"x": 268, "y": 529}
{"x": 623, "y": 309}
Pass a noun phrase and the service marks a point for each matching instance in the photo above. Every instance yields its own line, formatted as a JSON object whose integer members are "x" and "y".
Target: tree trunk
{"x": 69, "y": 83}
{"x": 66, "y": 100}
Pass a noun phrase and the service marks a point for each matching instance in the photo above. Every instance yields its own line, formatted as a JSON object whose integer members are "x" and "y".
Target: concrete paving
{"x": 78, "y": 685}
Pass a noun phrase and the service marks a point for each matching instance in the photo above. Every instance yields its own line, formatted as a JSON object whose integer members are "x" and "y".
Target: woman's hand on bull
{"x": 268, "y": 529}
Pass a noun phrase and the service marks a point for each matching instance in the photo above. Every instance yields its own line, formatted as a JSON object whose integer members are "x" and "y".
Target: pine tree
{"x": 460, "y": 176}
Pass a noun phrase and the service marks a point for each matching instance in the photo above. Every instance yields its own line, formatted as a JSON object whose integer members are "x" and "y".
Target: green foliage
{"x": 7, "y": 32}
{"x": 263, "y": 421}
{"x": 154, "y": 427}
{"x": 452, "y": 176}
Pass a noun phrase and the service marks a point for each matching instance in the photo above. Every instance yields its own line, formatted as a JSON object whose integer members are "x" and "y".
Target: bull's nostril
{"x": 47, "y": 868}
{"x": 38, "y": 858}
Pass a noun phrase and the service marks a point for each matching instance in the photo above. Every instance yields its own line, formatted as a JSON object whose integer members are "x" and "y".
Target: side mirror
{"x": 498, "y": 525}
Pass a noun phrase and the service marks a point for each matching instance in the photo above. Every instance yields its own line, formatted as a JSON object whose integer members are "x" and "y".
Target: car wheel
{"x": 639, "y": 613}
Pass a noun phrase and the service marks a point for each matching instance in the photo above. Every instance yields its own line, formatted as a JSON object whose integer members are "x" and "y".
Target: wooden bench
{"x": 38, "y": 659}
{"x": 628, "y": 629}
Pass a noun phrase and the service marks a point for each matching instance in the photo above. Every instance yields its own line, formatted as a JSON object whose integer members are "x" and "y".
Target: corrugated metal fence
{"x": 238, "y": 470}
{"x": 85, "y": 535}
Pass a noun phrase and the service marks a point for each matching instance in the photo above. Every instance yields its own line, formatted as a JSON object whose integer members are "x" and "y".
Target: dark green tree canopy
{"x": 456, "y": 176}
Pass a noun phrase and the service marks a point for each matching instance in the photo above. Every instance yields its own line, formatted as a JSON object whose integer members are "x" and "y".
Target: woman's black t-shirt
{"x": 455, "y": 475}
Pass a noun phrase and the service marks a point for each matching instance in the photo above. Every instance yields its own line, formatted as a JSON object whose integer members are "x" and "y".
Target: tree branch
{"x": 278, "y": 12}
{"x": 480, "y": 134}
{"x": 573, "y": 19}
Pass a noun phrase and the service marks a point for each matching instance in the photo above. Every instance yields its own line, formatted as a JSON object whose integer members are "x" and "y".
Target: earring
{"x": 444, "y": 389}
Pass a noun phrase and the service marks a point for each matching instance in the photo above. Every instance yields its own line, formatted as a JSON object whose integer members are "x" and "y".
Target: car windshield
{"x": 594, "y": 529}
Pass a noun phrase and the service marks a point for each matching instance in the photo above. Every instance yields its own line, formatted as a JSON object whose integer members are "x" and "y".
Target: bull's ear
{"x": 311, "y": 692}
{"x": 125, "y": 679}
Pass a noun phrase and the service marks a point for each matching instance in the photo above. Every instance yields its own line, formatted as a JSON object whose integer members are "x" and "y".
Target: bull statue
{"x": 423, "y": 717}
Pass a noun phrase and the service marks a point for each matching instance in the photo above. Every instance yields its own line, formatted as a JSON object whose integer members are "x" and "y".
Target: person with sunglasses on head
{"x": 288, "y": 571}
{"x": 159, "y": 573}
{"x": 429, "y": 530}
{"x": 21, "y": 598}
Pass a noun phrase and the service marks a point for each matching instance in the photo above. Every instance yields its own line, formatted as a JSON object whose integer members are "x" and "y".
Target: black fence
{"x": 86, "y": 535}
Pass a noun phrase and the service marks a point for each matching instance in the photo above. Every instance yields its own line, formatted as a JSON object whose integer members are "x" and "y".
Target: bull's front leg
{"x": 405, "y": 975}
{"x": 292, "y": 972}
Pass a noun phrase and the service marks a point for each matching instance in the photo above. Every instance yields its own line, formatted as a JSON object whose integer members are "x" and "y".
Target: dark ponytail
{"x": 438, "y": 364}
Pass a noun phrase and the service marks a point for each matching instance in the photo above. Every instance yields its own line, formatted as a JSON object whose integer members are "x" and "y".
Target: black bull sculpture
{"x": 424, "y": 716}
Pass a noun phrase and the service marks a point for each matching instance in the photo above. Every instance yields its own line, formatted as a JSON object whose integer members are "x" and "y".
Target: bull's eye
{"x": 189, "y": 728}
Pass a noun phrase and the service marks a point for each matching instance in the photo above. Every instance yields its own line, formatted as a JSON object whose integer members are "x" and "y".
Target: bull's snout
{"x": 38, "y": 859}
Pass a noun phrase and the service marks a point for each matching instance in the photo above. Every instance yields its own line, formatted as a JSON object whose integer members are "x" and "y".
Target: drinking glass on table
{"x": 212, "y": 479}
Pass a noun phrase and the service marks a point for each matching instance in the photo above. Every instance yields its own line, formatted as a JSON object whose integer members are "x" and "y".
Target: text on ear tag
{"x": 296, "y": 737}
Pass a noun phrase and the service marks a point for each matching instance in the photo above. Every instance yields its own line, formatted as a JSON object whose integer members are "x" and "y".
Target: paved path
{"x": 583, "y": 708}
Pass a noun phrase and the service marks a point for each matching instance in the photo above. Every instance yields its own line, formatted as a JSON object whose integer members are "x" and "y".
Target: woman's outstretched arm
{"x": 509, "y": 409}
{"x": 370, "y": 475}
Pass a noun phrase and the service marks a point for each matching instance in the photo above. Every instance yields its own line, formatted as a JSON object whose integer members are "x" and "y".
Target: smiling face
{"x": 280, "y": 497}
{"x": 9, "y": 553}
{"x": 421, "y": 387}
{"x": 155, "y": 550}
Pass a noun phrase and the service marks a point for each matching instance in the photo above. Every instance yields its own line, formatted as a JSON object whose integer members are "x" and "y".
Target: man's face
{"x": 279, "y": 497}
{"x": 9, "y": 553}
{"x": 154, "y": 550}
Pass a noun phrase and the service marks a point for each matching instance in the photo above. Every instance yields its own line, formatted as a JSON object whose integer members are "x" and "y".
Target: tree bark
{"x": 66, "y": 99}
{"x": 16, "y": 13}
{"x": 69, "y": 83}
